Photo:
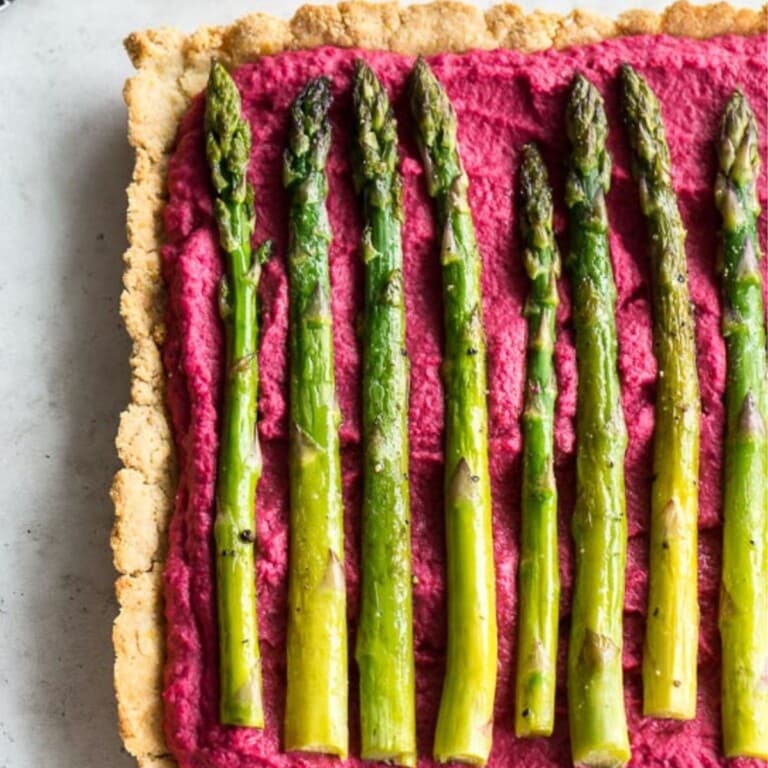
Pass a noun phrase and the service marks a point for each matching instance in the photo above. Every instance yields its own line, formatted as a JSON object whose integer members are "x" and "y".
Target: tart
{"x": 507, "y": 75}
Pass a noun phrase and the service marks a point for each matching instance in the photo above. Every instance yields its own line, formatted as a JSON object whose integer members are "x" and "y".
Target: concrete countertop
{"x": 64, "y": 166}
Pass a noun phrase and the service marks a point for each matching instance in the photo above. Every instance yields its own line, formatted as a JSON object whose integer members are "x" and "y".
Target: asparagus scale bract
{"x": 539, "y": 580}
{"x": 672, "y": 632}
{"x": 316, "y": 698}
{"x": 228, "y": 147}
{"x": 598, "y": 723}
{"x": 465, "y": 719}
{"x": 744, "y": 587}
{"x": 385, "y": 632}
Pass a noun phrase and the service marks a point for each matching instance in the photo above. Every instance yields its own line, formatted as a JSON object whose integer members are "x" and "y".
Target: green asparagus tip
{"x": 587, "y": 128}
{"x": 651, "y": 168}
{"x": 536, "y": 212}
{"x": 739, "y": 161}
{"x": 638, "y": 98}
{"x": 590, "y": 163}
{"x": 430, "y": 104}
{"x": 309, "y": 139}
{"x": 422, "y": 75}
{"x": 377, "y": 129}
{"x": 533, "y": 184}
{"x": 541, "y": 257}
{"x": 436, "y": 123}
{"x": 642, "y": 113}
{"x": 737, "y": 149}
{"x": 631, "y": 81}
{"x": 228, "y": 143}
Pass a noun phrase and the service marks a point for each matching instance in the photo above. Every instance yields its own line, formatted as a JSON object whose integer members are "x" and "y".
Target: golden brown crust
{"x": 172, "y": 67}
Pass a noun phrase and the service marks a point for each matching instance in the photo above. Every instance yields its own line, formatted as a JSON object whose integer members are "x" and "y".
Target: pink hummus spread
{"x": 503, "y": 99}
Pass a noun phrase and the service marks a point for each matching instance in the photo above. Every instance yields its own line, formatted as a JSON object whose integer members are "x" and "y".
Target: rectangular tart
{"x": 164, "y": 635}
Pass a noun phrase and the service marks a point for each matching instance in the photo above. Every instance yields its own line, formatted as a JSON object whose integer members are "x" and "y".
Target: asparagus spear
{"x": 465, "y": 719}
{"x": 744, "y": 587}
{"x": 598, "y": 722}
{"x": 316, "y": 699}
{"x": 385, "y": 633}
{"x": 538, "y": 575}
{"x": 228, "y": 147}
{"x": 671, "y": 642}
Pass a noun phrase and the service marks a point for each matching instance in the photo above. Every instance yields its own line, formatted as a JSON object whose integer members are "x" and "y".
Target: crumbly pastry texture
{"x": 171, "y": 68}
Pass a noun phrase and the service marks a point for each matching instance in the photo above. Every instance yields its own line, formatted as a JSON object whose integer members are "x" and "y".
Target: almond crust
{"x": 171, "y": 68}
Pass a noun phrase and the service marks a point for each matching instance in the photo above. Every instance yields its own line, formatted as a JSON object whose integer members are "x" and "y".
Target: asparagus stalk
{"x": 385, "y": 632}
{"x": 744, "y": 587}
{"x": 228, "y": 147}
{"x": 316, "y": 698}
{"x": 465, "y": 719}
{"x": 598, "y": 722}
{"x": 671, "y": 642}
{"x": 539, "y": 578}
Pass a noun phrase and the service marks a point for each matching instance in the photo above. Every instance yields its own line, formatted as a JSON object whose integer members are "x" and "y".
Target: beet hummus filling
{"x": 503, "y": 99}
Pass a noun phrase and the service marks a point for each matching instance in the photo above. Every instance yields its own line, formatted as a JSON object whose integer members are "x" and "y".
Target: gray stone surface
{"x": 64, "y": 166}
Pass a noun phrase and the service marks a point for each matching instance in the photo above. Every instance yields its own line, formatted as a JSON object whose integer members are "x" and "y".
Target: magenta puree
{"x": 503, "y": 99}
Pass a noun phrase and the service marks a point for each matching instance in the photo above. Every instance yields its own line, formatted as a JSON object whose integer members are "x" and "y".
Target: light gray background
{"x": 64, "y": 166}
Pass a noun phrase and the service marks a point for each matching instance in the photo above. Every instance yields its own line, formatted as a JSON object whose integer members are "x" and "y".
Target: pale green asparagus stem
{"x": 385, "y": 632}
{"x": 539, "y": 579}
{"x": 598, "y": 722}
{"x": 744, "y": 588}
{"x": 316, "y": 697}
{"x": 228, "y": 145}
{"x": 465, "y": 720}
{"x": 672, "y": 631}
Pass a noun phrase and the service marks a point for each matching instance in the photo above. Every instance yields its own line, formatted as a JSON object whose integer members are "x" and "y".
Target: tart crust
{"x": 171, "y": 68}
